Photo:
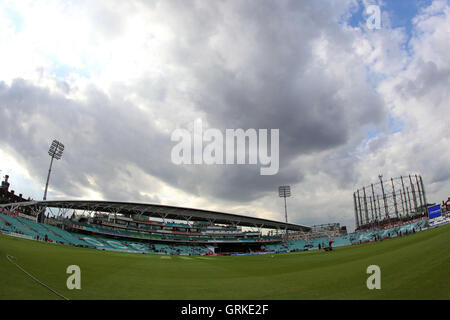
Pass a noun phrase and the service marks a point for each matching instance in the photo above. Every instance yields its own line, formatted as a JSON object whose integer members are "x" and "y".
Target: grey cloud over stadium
{"x": 290, "y": 65}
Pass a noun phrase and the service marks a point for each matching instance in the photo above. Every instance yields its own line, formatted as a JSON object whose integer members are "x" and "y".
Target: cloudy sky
{"x": 113, "y": 79}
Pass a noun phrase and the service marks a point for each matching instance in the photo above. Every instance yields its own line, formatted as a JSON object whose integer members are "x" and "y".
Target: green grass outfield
{"x": 416, "y": 266}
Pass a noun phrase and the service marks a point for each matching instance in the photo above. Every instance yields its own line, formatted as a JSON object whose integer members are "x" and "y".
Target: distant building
{"x": 446, "y": 205}
{"x": 329, "y": 229}
{"x": 5, "y": 183}
{"x": 7, "y": 196}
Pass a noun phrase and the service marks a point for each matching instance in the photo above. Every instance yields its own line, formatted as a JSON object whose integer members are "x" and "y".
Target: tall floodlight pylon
{"x": 55, "y": 152}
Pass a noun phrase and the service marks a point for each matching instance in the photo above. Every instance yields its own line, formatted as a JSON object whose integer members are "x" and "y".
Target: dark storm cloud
{"x": 263, "y": 73}
{"x": 250, "y": 65}
{"x": 102, "y": 139}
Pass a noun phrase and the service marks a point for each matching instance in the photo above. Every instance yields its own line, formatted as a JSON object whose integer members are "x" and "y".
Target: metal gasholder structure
{"x": 389, "y": 200}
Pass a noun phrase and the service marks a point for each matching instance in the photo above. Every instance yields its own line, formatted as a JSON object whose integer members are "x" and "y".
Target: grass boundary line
{"x": 10, "y": 258}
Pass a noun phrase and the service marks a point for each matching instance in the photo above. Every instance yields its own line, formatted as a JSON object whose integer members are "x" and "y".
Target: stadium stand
{"x": 15, "y": 224}
{"x": 103, "y": 237}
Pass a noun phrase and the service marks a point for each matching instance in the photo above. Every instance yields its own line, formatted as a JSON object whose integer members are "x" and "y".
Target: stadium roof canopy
{"x": 159, "y": 211}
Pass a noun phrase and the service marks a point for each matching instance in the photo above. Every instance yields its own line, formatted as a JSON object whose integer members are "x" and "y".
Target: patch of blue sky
{"x": 395, "y": 124}
{"x": 356, "y": 16}
{"x": 16, "y": 19}
{"x": 374, "y": 78}
{"x": 401, "y": 13}
{"x": 372, "y": 131}
{"x": 61, "y": 70}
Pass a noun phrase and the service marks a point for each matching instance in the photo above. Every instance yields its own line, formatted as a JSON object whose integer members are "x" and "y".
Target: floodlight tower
{"x": 284, "y": 192}
{"x": 55, "y": 151}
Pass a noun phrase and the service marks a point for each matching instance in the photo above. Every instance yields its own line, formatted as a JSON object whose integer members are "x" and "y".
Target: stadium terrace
{"x": 158, "y": 229}
{"x": 153, "y": 228}
{"x": 144, "y": 227}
